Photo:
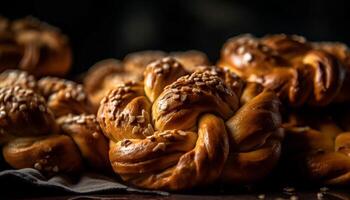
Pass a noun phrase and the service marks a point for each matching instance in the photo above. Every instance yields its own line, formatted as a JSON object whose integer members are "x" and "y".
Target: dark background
{"x": 103, "y": 29}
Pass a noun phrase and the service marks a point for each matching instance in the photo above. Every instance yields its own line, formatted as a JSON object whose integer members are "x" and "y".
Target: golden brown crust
{"x": 24, "y": 113}
{"x": 50, "y": 85}
{"x": 250, "y": 91}
{"x": 159, "y": 74}
{"x": 104, "y": 76}
{"x": 28, "y": 129}
{"x": 108, "y": 74}
{"x": 289, "y": 46}
{"x": 199, "y": 159}
{"x": 191, "y": 59}
{"x": 136, "y": 62}
{"x": 298, "y": 72}
{"x": 234, "y": 82}
{"x": 35, "y": 47}
{"x": 317, "y": 149}
{"x": 17, "y": 78}
{"x": 339, "y": 50}
{"x": 63, "y": 96}
{"x": 255, "y": 135}
{"x": 87, "y": 135}
{"x": 178, "y": 139}
{"x": 189, "y": 97}
{"x": 50, "y": 154}
{"x": 342, "y": 52}
{"x": 111, "y": 117}
{"x": 100, "y": 71}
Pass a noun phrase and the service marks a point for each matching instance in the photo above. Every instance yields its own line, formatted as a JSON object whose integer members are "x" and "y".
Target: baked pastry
{"x": 23, "y": 113}
{"x": 177, "y": 131}
{"x": 316, "y": 149}
{"x": 108, "y": 74}
{"x": 191, "y": 59}
{"x": 88, "y": 137}
{"x": 300, "y": 72}
{"x": 45, "y": 125}
{"x": 104, "y": 76}
{"x": 341, "y": 51}
{"x": 136, "y": 62}
{"x": 64, "y": 97}
{"x": 17, "y": 78}
{"x": 50, "y": 154}
{"x": 32, "y": 138}
{"x": 33, "y": 46}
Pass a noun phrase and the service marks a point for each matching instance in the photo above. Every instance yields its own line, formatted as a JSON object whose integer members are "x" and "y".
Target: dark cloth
{"x": 32, "y": 182}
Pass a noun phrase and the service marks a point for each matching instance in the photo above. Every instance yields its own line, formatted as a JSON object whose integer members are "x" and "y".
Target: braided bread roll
{"x": 87, "y": 135}
{"x": 299, "y": 71}
{"x": 64, "y": 97}
{"x": 317, "y": 150}
{"x": 17, "y": 78}
{"x": 108, "y": 74}
{"x": 104, "y": 76}
{"x": 33, "y": 46}
{"x": 136, "y": 62}
{"x": 191, "y": 59}
{"x": 177, "y": 131}
{"x": 33, "y": 136}
{"x": 342, "y": 52}
{"x": 23, "y": 113}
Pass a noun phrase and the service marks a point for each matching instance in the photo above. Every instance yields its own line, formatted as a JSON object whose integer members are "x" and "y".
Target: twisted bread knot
{"x": 17, "y": 78}
{"x": 35, "y": 47}
{"x": 33, "y": 136}
{"x": 177, "y": 131}
{"x": 64, "y": 97}
{"x": 341, "y": 51}
{"x": 108, "y": 74}
{"x": 137, "y": 62}
{"x": 299, "y": 72}
{"x": 23, "y": 113}
{"x": 191, "y": 59}
{"x": 319, "y": 150}
{"x": 104, "y": 76}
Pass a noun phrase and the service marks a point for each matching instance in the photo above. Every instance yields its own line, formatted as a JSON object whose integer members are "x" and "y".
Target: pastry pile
{"x": 173, "y": 121}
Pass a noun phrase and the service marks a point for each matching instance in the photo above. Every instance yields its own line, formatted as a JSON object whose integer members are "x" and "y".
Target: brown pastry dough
{"x": 63, "y": 96}
{"x": 87, "y": 135}
{"x": 17, "y": 78}
{"x": 190, "y": 133}
{"x": 161, "y": 73}
{"x": 33, "y": 46}
{"x": 136, "y": 62}
{"x": 49, "y": 154}
{"x": 342, "y": 52}
{"x": 255, "y": 135}
{"x": 31, "y": 136}
{"x": 108, "y": 74}
{"x": 23, "y": 113}
{"x": 191, "y": 59}
{"x": 298, "y": 71}
{"x": 104, "y": 76}
{"x": 317, "y": 149}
